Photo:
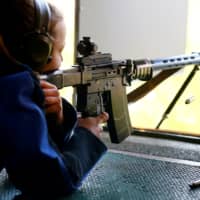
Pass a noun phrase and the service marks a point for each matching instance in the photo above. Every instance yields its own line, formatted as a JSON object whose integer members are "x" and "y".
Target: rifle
{"x": 100, "y": 83}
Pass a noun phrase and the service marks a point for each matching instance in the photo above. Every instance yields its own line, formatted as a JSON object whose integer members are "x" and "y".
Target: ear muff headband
{"x": 43, "y": 15}
{"x": 36, "y": 46}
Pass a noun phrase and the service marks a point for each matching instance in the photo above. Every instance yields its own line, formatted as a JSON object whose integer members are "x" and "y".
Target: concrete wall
{"x": 135, "y": 28}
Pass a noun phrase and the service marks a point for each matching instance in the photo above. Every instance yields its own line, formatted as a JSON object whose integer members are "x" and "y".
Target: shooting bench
{"x": 140, "y": 168}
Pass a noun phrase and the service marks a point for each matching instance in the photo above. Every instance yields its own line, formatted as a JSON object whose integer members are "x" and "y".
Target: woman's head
{"x": 28, "y": 35}
{"x": 57, "y": 30}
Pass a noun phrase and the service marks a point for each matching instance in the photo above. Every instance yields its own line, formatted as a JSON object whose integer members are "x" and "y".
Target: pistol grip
{"x": 90, "y": 104}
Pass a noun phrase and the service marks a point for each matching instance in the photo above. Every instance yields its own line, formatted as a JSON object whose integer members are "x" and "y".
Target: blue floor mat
{"x": 125, "y": 177}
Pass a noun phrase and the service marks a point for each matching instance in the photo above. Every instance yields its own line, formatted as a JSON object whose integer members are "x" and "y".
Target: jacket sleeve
{"x": 33, "y": 160}
{"x": 80, "y": 148}
{"x": 61, "y": 133}
{"x": 82, "y": 152}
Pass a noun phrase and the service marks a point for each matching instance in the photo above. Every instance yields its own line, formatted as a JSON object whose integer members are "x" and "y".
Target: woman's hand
{"x": 53, "y": 100}
{"x": 93, "y": 123}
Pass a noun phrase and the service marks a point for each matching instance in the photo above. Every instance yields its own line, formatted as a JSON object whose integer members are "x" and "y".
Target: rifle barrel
{"x": 175, "y": 62}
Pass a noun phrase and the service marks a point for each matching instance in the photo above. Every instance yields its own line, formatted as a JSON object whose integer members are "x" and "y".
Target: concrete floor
{"x": 151, "y": 146}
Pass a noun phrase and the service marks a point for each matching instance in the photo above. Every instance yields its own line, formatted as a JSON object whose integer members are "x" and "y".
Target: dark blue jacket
{"x": 41, "y": 157}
